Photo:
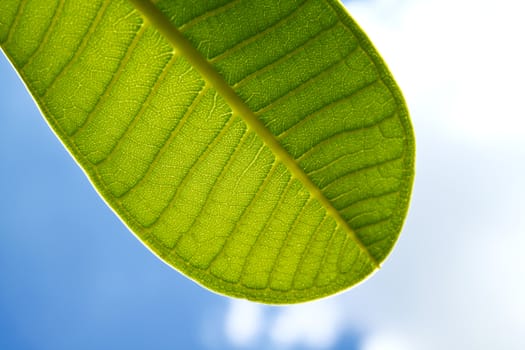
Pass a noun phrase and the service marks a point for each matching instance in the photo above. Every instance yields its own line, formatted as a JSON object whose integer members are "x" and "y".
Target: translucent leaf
{"x": 262, "y": 148}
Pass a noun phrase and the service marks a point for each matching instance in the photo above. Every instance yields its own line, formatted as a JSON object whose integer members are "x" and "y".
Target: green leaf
{"x": 261, "y": 147}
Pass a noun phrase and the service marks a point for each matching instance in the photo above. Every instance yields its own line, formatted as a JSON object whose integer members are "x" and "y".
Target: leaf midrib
{"x": 160, "y": 22}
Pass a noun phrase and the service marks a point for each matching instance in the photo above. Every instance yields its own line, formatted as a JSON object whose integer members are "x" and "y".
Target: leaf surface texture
{"x": 260, "y": 147}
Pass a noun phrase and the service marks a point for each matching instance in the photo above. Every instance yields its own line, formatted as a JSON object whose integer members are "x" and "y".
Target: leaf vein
{"x": 210, "y": 13}
{"x": 265, "y": 225}
{"x": 372, "y": 223}
{"x": 323, "y": 259}
{"x": 338, "y": 134}
{"x": 80, "y": 48}
{"x": 190, "y": 171}
{"x": 45, "y": 39}
{"x": 230, "y": 160}
{"x": 328, "y": 105}
{"x": 239, "y": 107}
{"x": 285, "y": 240}
{"x": 368, "y": 198}
{"x": 309, "y": 42}
{"x": 109, "y": 86}
{"x": 165, "y": 145}
{"x": 16, "y": 21}
{"x": 340, "y": 255}
{"x": 247, "y": 209}
{"x": 334, "y": 161}
{"x": 310, "y": 81}
{"x": 355, "y": 171}
{"x": 260, "y": 34}
{"x": 308, "y": 246}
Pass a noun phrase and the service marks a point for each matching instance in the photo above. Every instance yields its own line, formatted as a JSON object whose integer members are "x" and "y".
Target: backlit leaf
{"x": 261, "y": 147}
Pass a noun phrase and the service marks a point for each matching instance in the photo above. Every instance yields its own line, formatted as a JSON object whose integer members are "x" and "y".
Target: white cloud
{"x": 243, "y": 322}
{"x": 389, "y": 340}
{"x": 461, "y": 58}
{"x": 314, "y": 325}
{"x": 453, "y": 279}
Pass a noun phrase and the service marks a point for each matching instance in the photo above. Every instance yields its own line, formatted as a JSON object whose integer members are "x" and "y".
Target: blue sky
{"x": 72, "y": 276}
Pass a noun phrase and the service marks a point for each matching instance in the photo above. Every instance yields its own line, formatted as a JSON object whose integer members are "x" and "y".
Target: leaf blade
{"x": 305, "y": 222}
